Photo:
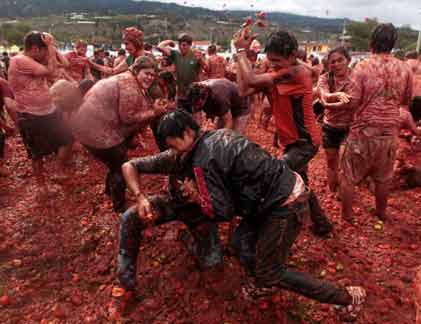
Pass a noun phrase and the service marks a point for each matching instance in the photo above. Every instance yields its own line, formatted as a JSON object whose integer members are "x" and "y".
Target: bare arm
{"x": 165, "y": 47}
{"x": 62, "y": 60}
{"x": 249, "y": 78}
{"x": 122, "y": 67}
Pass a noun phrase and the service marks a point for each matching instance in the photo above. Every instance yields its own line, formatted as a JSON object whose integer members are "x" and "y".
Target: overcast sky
{"x": 399, "y": 12}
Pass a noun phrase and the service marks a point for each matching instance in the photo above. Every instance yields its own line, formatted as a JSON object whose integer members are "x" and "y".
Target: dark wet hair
{"x": 142, "y": 62}
{"x": 411, "y": 55}
{"x": 281, "y": 43}
{"x": 166, "y": 76}
{"x": 340, "y": 50}
{"x": 34, "y": 38}
{"x": 383, "y": 38}
{"x": 212, "y": 49}
{"x": 196, "y": 91}
{"x": 185, "y": 38}
{"x": 174, "y": 124}
{"x": 315, "y": 61}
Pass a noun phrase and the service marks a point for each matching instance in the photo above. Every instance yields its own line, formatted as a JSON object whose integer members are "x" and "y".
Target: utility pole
{"x": 419, "y": 35}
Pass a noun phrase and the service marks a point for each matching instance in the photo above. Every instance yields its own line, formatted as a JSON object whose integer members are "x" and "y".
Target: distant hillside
{"x": 37, "y": 8}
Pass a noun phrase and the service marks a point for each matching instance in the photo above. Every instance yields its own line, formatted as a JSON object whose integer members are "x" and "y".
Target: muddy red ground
{"x": 57, "y": 257}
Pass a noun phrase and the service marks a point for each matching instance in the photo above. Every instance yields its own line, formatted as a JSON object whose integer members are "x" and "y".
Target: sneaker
{"x": 350, "y": 312}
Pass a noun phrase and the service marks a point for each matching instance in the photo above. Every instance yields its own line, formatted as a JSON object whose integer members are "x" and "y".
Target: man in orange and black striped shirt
{"x": 289, "y": 89}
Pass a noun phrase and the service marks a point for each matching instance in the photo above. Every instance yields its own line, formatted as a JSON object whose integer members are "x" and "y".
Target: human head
{"x": 5, "y": 54}
{"x": 411, "y": 55}
{"x": 81, "y": 47}
{"x": 212, "y": 49}
{"x": 338, "y": 60}
{"x": 133, "y": 40}
{"x": 178, "y": 130}
{"x": 197, "y": 94}
{"x": 185, "y": 42}
{"x": 35, "y": 46}
{"x": 383, "y": 38}
{"x": 66, "y": 95}
{"x": 144, "y": 69}
{"x": 252, "y": 56}
{"x": 281, "y": 49}
{"x": 121, "y": 52}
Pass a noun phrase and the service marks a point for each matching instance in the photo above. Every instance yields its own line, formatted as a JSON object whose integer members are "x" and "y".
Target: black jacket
{"x": 234, "y": 176}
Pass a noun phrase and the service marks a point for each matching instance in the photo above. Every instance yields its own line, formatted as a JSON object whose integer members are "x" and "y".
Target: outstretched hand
{"x": 189, "y": 190}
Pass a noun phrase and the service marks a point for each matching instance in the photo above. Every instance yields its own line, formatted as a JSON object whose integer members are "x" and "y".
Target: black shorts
{"x": 333, "y": 137}
{"x": 43, "y": 135}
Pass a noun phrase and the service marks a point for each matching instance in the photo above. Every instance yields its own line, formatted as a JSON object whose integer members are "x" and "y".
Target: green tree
{"x": 14, "y": 33}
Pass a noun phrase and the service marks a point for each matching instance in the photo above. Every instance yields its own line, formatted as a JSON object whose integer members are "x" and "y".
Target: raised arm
{"x": 122, "y": 67}
{"x": 165, "y": 47}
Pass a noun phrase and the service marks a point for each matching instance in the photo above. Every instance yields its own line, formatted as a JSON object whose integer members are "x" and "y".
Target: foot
{"x": 351, "y": 312}
{"x": 322, "y": 229}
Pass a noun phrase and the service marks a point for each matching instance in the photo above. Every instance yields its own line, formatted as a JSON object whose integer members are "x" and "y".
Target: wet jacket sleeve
{"x": 163, "y": 163}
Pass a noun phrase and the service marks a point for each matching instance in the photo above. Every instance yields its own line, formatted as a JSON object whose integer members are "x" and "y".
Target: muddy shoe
{"x": 351, "y": 312}
{"x": 126, "y": 271}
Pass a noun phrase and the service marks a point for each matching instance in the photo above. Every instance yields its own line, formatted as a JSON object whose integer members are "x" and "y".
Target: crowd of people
{"x": 355, "y": 114}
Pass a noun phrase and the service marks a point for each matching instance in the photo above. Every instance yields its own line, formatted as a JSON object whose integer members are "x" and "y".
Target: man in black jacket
{"x": 222, "y": 174}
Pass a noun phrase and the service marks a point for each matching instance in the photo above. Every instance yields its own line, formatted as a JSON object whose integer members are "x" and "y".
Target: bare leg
{"x": 382, "y": 193}
{"x": 332, "y": 157}
{"x": 347, "y": 195}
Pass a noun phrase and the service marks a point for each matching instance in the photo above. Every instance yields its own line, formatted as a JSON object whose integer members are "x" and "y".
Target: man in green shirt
{"x": 187, "y": 62}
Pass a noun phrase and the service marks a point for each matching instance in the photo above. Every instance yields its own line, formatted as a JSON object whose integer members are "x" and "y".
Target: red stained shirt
{"x": 28, "y": 81}
{"x": 292, "y": 108}
{"x": 380, "y": 84}
{"x": 110, "y": 111}
{"x": 337, "y": 117}
{"x": 77, "y": 66}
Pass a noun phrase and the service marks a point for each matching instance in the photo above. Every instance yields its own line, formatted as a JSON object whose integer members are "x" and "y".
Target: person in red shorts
{"x": 380, "y": 84}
